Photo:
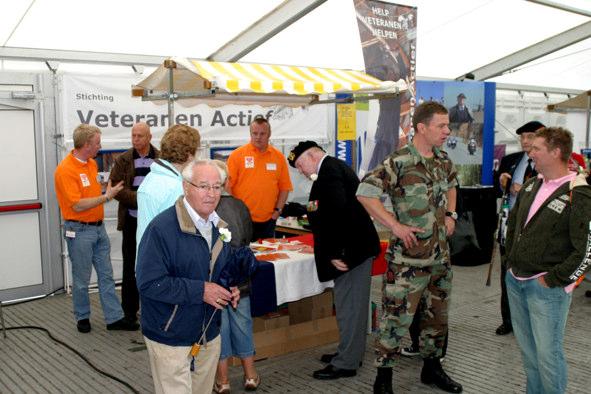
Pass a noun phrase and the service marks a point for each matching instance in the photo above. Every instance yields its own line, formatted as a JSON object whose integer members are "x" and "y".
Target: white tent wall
{"x": 514, "y": 108}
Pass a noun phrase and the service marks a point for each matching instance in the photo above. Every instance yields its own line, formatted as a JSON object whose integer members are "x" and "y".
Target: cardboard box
{"x": 293, "y": 338}
{"x": 269, "y": 322}
{"x": 296, "y": 337}
{"x": 311, "y": 308}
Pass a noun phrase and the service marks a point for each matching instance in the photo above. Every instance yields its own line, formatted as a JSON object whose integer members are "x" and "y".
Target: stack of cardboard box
{"x": 310, "y": 322}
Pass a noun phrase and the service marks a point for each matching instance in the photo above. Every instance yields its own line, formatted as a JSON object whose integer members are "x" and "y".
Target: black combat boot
{"x": 383, "y": 383}
{"x": 433, "y": 374}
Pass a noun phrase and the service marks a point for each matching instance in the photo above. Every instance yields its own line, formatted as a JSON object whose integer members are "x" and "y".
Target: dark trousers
{"x": 262, "y": 230}
{"x": 130, "y": 302}
{"x": 351, "y": 300}
{"x": 505, "y": 312}
{"x": 415, "y": 331}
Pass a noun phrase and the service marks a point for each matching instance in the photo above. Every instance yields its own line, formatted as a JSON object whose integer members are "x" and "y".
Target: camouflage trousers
{"x": 403, "y": 289}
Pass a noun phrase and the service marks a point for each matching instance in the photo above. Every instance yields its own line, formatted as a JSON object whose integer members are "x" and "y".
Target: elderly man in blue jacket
{"x": 186, "y": 271}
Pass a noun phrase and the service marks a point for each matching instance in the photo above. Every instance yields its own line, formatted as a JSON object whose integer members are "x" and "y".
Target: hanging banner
{"x": 346, "y": 122}
{"x": 106, "y": 102}
{"x": 388, "y": 39}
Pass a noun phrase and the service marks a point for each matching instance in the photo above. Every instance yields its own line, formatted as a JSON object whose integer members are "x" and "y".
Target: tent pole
{"x": 588, "y": 120}
{"x": 170, "y": 96}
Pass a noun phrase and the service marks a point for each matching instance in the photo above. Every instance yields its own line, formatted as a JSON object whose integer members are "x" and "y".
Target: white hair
{"x": 188, "y": 170}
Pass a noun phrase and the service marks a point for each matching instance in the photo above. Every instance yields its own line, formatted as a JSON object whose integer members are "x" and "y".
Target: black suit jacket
{"x": 342, "y": 228}
{"x": 508, "y": 164}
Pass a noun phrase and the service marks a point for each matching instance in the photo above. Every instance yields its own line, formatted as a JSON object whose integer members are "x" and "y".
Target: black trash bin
{"x": 473, "y": 242}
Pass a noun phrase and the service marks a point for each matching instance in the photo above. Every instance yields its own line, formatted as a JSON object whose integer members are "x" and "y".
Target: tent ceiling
{"x": 453, "y": 37}
{"x": 171, "y": 28}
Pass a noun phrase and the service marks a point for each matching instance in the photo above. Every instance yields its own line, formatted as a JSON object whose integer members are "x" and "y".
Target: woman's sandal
{"x": 252, "y": 384}
{"x": 221, "y": 388}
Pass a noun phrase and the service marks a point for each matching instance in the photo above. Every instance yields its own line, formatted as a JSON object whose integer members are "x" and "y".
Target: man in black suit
{"x": 513, "y": 171}
{"x": 345, "y": 244}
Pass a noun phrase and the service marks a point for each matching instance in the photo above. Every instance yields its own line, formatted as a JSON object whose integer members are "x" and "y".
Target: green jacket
{"x": 555, "y": 239}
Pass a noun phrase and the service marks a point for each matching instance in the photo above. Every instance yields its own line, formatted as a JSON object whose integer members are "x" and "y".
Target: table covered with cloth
{"x": 292, "y": 278}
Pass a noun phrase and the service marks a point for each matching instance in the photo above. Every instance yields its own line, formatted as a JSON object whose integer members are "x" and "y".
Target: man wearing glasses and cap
{"x": 514, "y": 170}
{"x": 345, "y": 244}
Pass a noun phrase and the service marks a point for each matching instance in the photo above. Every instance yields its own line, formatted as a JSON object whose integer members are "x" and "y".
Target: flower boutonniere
{"x": 313, "y": 177}
{"x": 225, "y": 234}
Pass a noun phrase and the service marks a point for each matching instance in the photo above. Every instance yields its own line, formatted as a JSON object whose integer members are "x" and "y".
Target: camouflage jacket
{"x": 418, "y": 188}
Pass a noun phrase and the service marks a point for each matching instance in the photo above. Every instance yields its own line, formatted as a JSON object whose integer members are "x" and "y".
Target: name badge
{"x": 248, "y": 162}
{"x": 271, "y": 166}
{"x": 84, "y": 179}
{"x": 557, "y": 206}
{"x": 70, "y": 234}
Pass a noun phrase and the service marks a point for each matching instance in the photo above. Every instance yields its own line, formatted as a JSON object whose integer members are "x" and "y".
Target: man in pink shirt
{"x": 546, "y": 252}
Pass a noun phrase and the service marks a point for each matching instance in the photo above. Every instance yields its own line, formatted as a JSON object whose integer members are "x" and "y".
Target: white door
{"x": 20, "y": 240}
{"x": 30, "y": 243}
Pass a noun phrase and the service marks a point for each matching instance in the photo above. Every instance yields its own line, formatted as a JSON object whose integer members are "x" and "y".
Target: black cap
{"x": 461, "y": 95}
{"x": 530, "y": 127}
{"x": 300, "y": 148}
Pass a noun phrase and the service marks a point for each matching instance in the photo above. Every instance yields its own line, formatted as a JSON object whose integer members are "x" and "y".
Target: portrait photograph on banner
{"x": 466, "y": 143}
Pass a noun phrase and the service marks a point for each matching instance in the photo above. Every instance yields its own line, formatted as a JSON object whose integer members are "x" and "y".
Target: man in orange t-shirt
{"x": 81, "y": 202}
{"x": 259, "y": 176}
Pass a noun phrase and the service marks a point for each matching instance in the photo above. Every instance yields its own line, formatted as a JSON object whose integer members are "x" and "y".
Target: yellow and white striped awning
{"x": 272, "y": 78}
{"x": 261, "y": 79}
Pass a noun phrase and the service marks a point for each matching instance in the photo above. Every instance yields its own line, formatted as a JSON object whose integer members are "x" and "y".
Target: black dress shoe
{"x": 83, "y": 325}
{"x": 504, "y": 329}
{"x": 130, "y": 318}
{"x": 331, "y": 372}
{"x": 327, "y": 358}
{"x": 435, "y": 375}
{"x": 123, "y": 325}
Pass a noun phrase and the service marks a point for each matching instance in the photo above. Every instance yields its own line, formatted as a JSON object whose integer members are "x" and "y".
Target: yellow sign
{"x": 346, "y": 122}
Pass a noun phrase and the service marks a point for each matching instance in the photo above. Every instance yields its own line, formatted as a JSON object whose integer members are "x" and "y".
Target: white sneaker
{"x": 410, "y": 351}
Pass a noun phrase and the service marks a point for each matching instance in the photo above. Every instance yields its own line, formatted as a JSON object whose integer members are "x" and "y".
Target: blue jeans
{"x": 90, "y": 247}
{"x": 539, "y": 317}
{"x": 236, "y": 331}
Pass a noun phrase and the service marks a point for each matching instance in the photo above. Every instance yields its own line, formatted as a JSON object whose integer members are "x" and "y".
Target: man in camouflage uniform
{"x": 421, "y": 182}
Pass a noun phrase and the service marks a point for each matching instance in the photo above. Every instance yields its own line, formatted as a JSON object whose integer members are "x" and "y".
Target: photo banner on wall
{"x": 106, "y": 102}
{"x": 388, "y": 39}
{"x": 471, "y": 107}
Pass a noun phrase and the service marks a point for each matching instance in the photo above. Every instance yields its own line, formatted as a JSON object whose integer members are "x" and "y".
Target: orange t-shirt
{"x": 75, "y": 180}
{"x": 257, "y": 177}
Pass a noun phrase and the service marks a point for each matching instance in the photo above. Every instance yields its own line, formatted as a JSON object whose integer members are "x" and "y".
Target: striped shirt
{"x": 141, "y": 166}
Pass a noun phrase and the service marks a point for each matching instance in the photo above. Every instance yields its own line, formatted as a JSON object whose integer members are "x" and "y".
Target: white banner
{"x": 106, "y": 102}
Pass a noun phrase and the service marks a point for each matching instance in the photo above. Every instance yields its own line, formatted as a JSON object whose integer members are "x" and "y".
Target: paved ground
{"x": 483, "y": 362}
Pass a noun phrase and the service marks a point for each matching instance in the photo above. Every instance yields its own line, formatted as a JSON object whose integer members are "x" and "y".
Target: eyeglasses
{"x": 205, "y": 187}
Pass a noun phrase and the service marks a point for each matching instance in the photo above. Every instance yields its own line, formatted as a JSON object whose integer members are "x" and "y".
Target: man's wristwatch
{"x": 277, "y": 209}
{"x": 452, "y": 214}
